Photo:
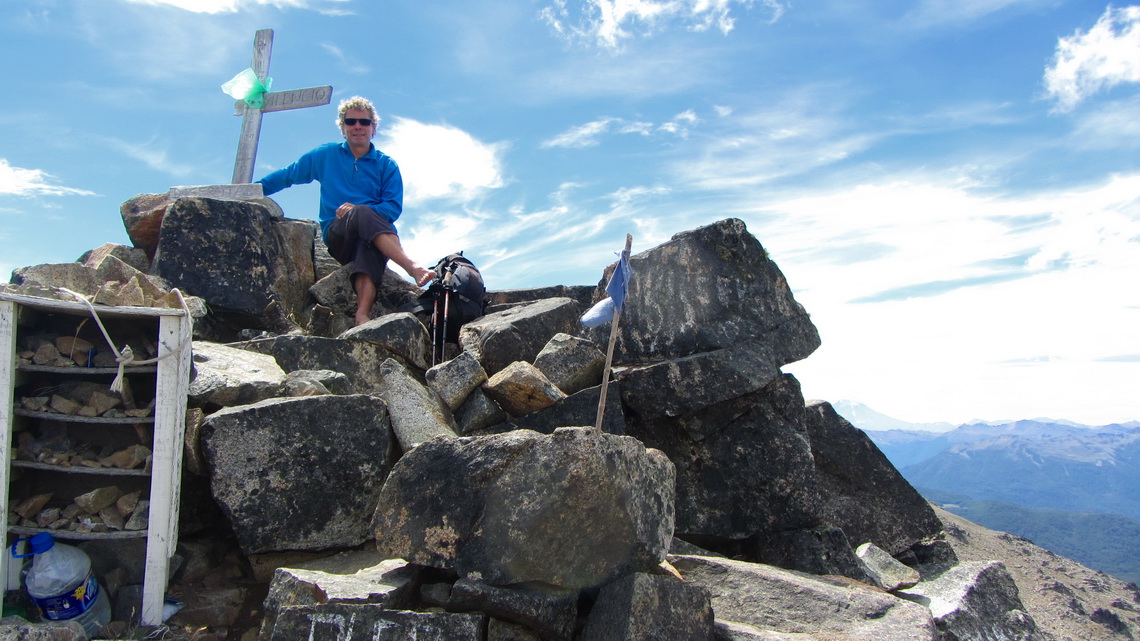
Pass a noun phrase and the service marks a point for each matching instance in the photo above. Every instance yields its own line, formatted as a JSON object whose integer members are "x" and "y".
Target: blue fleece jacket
{"x": 373, "y": 179}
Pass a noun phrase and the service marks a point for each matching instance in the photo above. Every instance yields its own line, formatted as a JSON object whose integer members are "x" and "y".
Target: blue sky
{"x": 952, "y": 187}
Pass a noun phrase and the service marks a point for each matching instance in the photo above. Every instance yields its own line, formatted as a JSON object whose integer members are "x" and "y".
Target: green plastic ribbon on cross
{"x": 246, "y": 86}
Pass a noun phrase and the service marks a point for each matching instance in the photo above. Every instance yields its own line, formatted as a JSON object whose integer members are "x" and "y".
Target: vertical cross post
{"x": 251, "y": 119}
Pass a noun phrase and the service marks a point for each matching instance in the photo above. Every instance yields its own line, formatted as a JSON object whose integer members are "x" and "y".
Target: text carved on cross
{"x": 272, "y": 101}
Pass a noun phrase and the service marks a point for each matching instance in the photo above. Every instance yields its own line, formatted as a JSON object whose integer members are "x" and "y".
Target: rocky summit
{"x": 340, "y": 484}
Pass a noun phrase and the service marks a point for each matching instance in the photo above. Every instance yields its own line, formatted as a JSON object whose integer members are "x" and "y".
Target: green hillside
{"x": 1106, "y": 542}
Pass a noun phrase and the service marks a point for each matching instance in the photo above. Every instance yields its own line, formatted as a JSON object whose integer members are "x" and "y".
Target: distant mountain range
{"x": 1038, "y": 478}
{"x": 866, "y": 418}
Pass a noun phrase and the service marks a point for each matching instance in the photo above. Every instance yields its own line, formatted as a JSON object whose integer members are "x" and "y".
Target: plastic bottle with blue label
{"x": 63, "y": 585}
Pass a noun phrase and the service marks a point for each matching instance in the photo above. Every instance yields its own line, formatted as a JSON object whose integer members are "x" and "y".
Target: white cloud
{"x": 440, "y": 161}
{"x": 1103, "y": 57}
{"x": 973, "y": 302}
{"x": 32, "y": 182}
{"x": 1112, "y": 125}
{"x": 609, "y": 22}
{"x": 799, "y": 134}
{"x": 589, "y": 134}
{"x": 580, "y": 137}
{"x": 150, "y": 154}
{"x": 352, "y": 65}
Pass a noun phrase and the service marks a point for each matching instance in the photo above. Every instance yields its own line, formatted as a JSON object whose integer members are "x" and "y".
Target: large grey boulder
{"x": 226, "y": 376}
{"x": 780, "y": 601}
{"x": 249, "y": 264}
{"x": 646, "y": 607}
{"x": 519, "y": 333}
{"x": 417, "y": 413}
{"x": 550, "y": 612}
{"x": 365, "y": 622}
{"x": 401, "y": 334}
{"x": 860, "y": 490}
{"x": 707, "y": 289}
{"x": 744, "y": 466}
{"x": 520, "y": 388}
{"x": 577, "y": 409}
{"x": 358, "y": 360}
{"x": 299, "y": 473}
{"x": 335, "y": 291}
{"x": 295, "y": 271}
{"x": 456, "y": 379}
{"x": 142, "y": 215}
{"x": 480, "y": 413}
{"x": 689, "y": 384}
{"x": 133, "y": 256}
{"x": 976, "y": 601}
{"x": 573, "y": 509}
{"x": 888, "y": 572}
{"x": 571, "y": 363}
{"x": 819, "y": 550}
{"x": 349, "y": 577}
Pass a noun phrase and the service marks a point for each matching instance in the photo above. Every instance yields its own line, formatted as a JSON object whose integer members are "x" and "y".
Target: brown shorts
{"x": 350, "y": 237}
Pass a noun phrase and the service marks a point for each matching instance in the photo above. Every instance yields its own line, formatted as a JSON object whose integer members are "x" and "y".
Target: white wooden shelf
{"x": 75, "y": 418}
{"x": 170, "y": 330}
{"x": 77, "y": 536}
{"x": 78, "y": 469}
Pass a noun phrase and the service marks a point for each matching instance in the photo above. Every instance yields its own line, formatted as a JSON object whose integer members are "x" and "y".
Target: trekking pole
{"x": 447, "y": 280}
{"x": 443, "y": 342}
{"x": 434, "y": 326}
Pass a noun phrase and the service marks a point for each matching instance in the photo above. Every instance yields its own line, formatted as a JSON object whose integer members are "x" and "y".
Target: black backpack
{"x": 455, "y": 297}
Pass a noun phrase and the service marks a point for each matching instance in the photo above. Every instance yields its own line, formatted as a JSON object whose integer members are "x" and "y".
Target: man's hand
{"x": 344, "y": 209}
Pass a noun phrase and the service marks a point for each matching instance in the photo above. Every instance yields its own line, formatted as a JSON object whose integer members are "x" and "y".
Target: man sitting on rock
{"x": 362, "y": 194}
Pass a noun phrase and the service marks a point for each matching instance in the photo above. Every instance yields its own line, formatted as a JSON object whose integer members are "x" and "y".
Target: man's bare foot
{"x": 423, "y": 276}
{"x": 362, "y": 318}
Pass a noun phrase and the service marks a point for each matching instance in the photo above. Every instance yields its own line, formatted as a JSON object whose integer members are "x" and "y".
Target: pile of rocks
{"x": 473, "y": 499}
{"x": 104, "y": 509}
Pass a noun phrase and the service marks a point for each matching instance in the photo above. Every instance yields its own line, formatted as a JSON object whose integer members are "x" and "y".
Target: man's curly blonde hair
{"x": 358, "y": 103}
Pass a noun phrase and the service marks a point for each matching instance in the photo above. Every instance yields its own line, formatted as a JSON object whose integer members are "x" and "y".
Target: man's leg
{"x": 389, "y": 245}
{"x": 365, "y": 296}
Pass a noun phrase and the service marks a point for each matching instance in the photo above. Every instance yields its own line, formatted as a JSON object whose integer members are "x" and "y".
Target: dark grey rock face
{"x": 707, "y": 289}
{"x": 519, "y": 333}
{"x": 551, "y": 613}
{"x": 571, "y": 510}
{"x": 744, "y": 466}
{"x": 246, "y": 264}
{"x": 358, "y": 360}
{"x": 776, "y": 602}
{"x": 364, "y": 622}
{"x": 300, "y": 473}
{"x": 976, "y": 600}
{"x": 644, "y": 607}
{"x": 860, "y": 490}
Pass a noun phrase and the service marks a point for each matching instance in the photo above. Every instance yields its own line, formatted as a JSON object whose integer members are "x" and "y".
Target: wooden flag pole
{"x": 610, "y": 348}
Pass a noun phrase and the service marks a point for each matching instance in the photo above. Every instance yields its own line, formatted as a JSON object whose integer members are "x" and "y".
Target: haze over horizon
{"x": 951, "y": 189}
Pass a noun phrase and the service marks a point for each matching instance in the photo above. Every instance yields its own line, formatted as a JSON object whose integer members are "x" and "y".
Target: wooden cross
{"x": 274, "y": 101}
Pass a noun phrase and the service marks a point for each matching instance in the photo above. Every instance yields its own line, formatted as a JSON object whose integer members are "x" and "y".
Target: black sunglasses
{"x": 352, "y": 121}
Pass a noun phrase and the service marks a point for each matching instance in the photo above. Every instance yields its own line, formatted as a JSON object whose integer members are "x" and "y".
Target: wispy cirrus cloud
{"x": 152, "y": 153}
{"x": 17, "y": 181}
{"x": 610, "y": 22}
{"x": 930, "y": 13}
{"x": 589, "y": 134}
{"x": 1106, "y": 55}
{"x": 233, "y": 6}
